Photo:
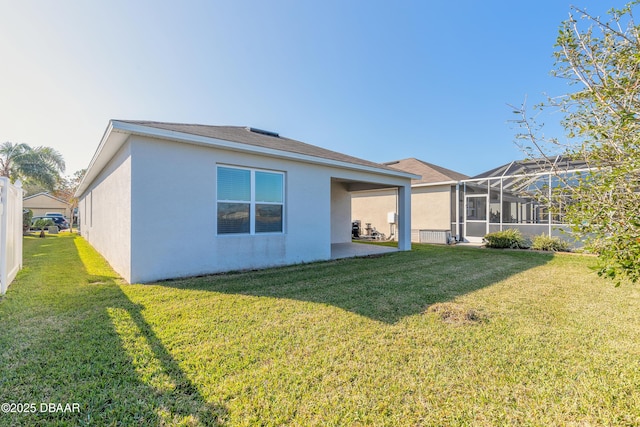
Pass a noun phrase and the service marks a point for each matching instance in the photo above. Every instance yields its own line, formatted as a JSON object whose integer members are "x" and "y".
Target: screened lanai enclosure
{"x": 515, "y": 195}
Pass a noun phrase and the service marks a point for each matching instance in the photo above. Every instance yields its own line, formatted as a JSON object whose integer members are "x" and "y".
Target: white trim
{"x": 526, "y": 175}
{"x": 433, "y": 184}
{"x": 476, "y": 221}
{"x": 100, "y": 161}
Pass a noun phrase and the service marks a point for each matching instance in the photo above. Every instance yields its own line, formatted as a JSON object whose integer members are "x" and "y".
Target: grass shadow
{"x": 75, "y": 337}
{"x": 384, "y": 288}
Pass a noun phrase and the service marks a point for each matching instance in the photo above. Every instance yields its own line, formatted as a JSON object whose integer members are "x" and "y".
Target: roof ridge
{"x": 447, "y": 173}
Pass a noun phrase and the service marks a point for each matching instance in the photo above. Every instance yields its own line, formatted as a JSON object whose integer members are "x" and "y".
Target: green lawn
{"x": 437, "y": 336}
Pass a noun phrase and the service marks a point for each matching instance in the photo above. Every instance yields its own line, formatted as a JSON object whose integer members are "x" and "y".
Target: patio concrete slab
{"x": 350, "y": 250}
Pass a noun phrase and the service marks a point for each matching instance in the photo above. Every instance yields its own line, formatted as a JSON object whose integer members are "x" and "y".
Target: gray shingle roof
{"x": 250, "y": 136}
{"x": 429, "y": 172}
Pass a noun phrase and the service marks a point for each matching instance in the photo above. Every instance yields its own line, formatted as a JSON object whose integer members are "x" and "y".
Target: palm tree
{"x": 41, "y": 165}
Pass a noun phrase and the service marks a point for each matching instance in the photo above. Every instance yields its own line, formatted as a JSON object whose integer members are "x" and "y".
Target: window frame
{"x": 252, "y": 202}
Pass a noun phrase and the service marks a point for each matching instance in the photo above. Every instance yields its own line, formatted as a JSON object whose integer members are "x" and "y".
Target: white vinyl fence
{"x": 10, "y": 232}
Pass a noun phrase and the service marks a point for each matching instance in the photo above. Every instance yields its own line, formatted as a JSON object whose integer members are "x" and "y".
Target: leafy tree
{"x": 64, "y": 188}
{"x": 41, "y": 165}
{"x": 67, "y": 186}
{"x": 600, "y": 58}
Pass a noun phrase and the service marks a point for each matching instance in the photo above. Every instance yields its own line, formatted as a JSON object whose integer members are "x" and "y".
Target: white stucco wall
{"x": 340, "y": 213}
{"x": 174, "y": 213}
{"x": 105, "y": 213}
{"x": 152, "y": 212}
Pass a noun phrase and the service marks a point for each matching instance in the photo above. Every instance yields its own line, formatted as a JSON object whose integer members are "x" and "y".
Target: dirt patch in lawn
{"x": 457, "y": 314}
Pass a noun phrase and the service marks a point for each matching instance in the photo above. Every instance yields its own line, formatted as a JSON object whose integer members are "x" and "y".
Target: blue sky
{"x": 377, "y": 80}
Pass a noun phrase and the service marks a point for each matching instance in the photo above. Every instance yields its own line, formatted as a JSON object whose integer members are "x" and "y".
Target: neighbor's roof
{"x": 430, "y": 173}
{"x": 235, "y": 138}
{"x": 46, "y": 194}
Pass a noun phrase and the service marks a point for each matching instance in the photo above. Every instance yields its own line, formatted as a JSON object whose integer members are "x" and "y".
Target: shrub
{"x": 547, "y": 243}
{"x": 510, "y": 238}
{"x": 41, "y": 224}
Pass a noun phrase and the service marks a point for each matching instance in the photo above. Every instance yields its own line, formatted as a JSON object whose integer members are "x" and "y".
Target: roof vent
{"x": 264, "y": 132}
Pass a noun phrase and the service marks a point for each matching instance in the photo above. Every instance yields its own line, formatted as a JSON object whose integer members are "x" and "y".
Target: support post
{"x": 458, "y": 236}
{"x": 501, "y": 211}
{"x": 549, "y": 208}
{"x": 404, "y": 217}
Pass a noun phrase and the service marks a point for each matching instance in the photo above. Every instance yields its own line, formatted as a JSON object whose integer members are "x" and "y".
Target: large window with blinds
{"x": 250, "y": 201}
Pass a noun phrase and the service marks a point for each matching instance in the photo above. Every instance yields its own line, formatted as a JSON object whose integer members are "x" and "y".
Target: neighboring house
{"x": 508, "y": 197}
{"x": 42, "y": 203}
{"x": 166, "y": 200}
{"x": 433, "y": 203}
{"x": 502, "y": 198}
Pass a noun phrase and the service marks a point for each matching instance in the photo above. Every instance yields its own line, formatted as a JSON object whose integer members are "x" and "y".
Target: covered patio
{"x": 350, "y": 250}
{"x": 341, "y": 218}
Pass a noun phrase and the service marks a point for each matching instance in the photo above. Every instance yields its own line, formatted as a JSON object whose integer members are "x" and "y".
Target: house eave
{"x": 109, "y": 145}
{"x": 434, "y": 184}
{"x": 118, "y": 132}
